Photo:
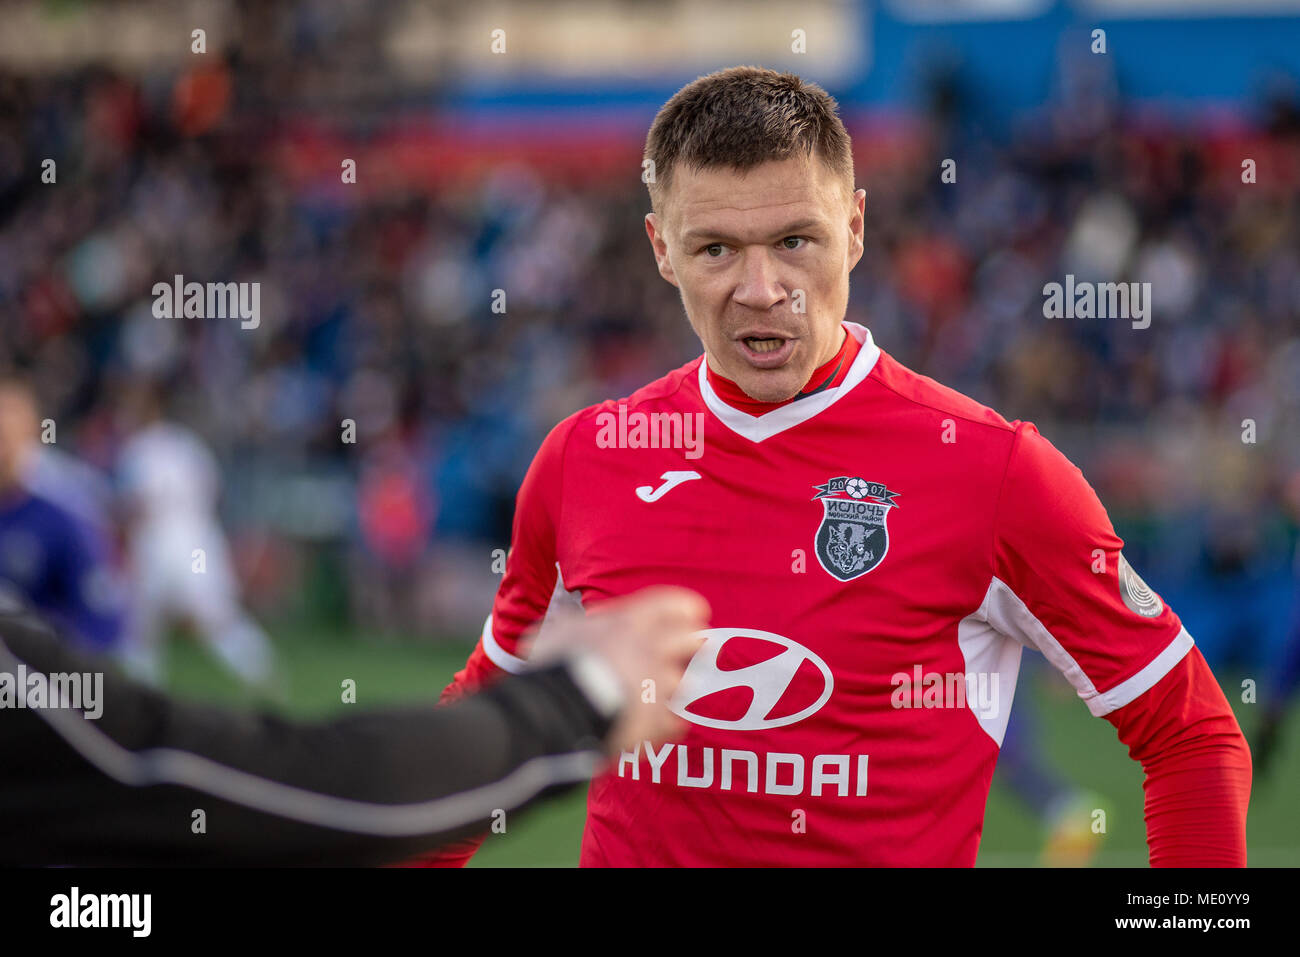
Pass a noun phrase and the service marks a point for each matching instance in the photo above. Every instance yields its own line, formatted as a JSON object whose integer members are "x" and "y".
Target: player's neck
{"x": 828, "y": 375}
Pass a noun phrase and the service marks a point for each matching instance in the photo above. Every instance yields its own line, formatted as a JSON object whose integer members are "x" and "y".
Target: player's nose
{"x": 759, "y": 286}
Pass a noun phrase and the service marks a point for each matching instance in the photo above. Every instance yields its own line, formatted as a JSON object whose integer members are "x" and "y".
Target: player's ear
{"x": 654, "y": 231}
{"x": 857, "y": 221}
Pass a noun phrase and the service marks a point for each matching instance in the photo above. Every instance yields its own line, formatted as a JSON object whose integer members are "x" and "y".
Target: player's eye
{"x": 796, "y": 239}
{"x": 708, "y": 250}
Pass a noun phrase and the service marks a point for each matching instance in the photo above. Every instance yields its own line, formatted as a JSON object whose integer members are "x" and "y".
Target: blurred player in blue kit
{"x": 50, "y": 548}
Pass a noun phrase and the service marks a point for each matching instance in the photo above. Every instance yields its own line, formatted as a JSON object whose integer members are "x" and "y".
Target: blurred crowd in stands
{"x": 377, "y": 307}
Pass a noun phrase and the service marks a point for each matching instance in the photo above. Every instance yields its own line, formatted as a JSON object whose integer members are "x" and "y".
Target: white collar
{"x": 756, "y": 428}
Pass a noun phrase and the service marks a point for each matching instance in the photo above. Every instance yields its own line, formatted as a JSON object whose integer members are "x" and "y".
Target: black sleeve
{"x": 371, "y": 788}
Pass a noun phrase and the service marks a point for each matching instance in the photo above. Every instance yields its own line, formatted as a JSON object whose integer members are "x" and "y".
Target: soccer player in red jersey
{"x": 877, "y": 549}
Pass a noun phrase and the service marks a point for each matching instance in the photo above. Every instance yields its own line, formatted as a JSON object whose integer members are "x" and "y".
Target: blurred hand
{"x": 647, "y": 639}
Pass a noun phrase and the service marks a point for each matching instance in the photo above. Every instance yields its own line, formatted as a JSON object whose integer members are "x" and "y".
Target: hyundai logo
{"x": 768, "y": 680}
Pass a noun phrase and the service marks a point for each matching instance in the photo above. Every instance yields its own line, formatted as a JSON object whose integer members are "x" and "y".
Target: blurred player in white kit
{"x": 170, "y": 483}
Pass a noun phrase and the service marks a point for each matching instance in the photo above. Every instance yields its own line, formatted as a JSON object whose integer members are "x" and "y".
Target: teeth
{"x": 765, "y": 345}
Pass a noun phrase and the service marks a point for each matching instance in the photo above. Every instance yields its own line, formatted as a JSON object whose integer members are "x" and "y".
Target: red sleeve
{"x": 1062, "y": 585}
{"x": 1197, "y": 765}
{"x": 521, "y": 601}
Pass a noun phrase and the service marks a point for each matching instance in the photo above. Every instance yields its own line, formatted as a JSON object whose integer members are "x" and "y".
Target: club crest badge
{"x": 853, "y": 536}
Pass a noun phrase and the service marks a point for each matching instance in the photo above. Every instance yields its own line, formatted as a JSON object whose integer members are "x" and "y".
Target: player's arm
{"x": 123, "y": 774}
{"x": 521, "y": 600}
{"x": 1061, "y": 585}
{"x": 125, "y": 788}
{"x": 1197, "y": 764}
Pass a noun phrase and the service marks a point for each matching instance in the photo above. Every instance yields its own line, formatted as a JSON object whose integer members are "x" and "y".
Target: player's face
{"x": 762, "y": 260}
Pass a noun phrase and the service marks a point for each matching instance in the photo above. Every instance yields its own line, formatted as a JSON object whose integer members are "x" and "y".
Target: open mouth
{"x": 767, "y": 351}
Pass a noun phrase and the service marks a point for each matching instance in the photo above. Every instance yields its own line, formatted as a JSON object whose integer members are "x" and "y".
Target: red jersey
{"x": 876, "y": 556}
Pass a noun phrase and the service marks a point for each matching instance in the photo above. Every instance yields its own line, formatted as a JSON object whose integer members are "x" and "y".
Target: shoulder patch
{"x": 1137, "y": 595}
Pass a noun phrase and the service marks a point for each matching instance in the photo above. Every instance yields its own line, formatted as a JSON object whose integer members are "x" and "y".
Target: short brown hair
{"x": 742, "y": 117}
